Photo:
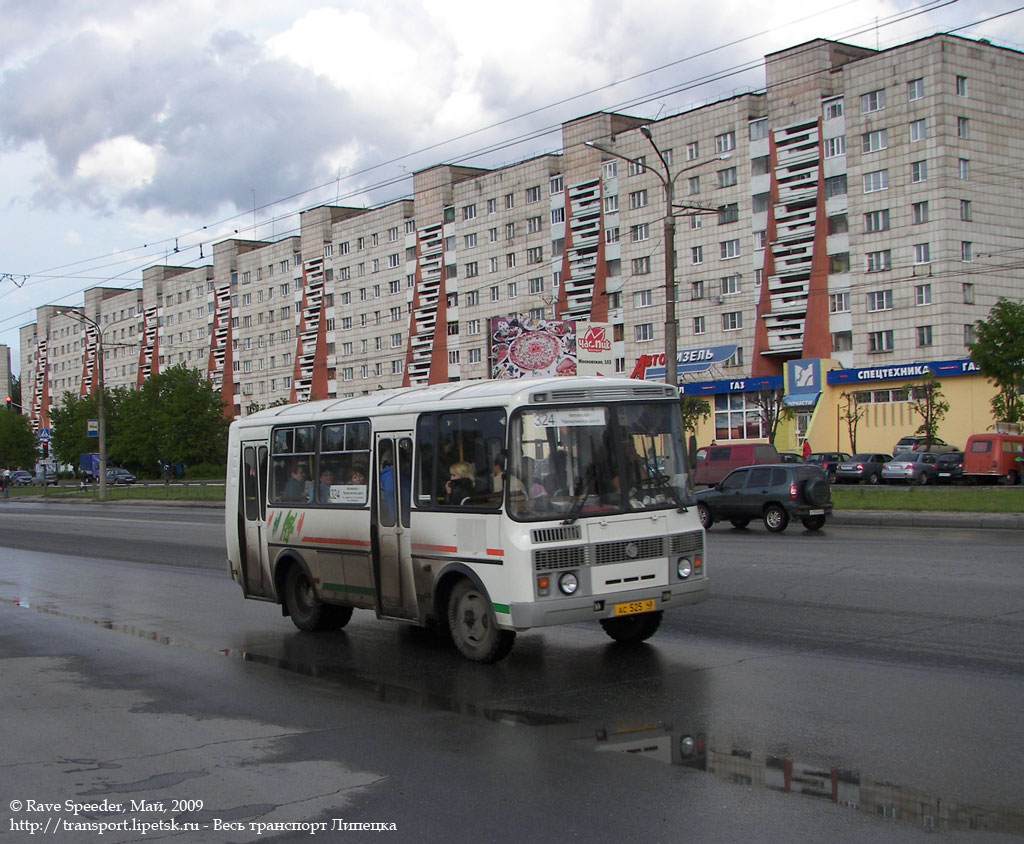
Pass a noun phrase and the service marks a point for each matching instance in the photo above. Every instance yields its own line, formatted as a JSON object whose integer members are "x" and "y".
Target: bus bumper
{"x": 547, "y": 613}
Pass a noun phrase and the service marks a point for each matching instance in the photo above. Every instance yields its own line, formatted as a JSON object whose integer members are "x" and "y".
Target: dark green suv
{"x": 773, "y": 493}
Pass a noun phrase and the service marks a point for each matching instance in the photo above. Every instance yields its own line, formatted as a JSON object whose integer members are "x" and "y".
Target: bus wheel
{"x": 473, "y": 626}
{"x": 632, "y": 629}
{"x": 335, "y": 617}
{"x": 304, "y": 606}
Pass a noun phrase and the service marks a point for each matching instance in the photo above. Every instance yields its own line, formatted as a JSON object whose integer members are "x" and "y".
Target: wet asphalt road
{"x": 883, "y": 667}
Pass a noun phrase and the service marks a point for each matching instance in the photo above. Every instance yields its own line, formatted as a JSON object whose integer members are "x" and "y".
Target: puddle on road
{"x": 661, "y": 742}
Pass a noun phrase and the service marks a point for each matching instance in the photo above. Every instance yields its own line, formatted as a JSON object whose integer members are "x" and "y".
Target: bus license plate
{"x": 635, "y": 607}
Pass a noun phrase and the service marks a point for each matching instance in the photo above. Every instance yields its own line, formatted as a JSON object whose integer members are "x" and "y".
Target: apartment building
{"x": 844, "y": 229}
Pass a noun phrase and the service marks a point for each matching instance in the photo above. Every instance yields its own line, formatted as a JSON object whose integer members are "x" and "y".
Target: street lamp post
{"x": 100, "y": 409}
{"x": 668, "y": 181}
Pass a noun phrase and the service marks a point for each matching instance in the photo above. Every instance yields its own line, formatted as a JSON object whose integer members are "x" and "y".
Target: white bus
{"x": 482, "y": 507}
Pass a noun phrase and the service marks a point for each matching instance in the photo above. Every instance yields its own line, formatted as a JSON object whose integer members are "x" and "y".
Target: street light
{"x": 100, "y": 410}
{"x": 668, "y": 181}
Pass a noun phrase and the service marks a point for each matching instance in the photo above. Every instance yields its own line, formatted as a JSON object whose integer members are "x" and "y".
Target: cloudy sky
{"x": 131, "y": 127}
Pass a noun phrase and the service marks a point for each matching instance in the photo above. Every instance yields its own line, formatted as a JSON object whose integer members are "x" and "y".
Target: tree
{"x": 998, "y": 350}
{"x": 851, "y": 413}
{"x": 17, "y": 441}
{"x": 694, "y": 409}
{"x": 772, "y": 411}
{"x": 928, "y": 402}
{"x": 69, "y": 436}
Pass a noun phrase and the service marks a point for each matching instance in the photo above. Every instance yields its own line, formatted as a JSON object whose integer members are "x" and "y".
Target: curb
{"x": 905, "y": 518}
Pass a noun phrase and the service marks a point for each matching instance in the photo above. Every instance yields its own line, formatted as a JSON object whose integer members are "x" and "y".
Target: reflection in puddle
{"x": 843, "y": 786}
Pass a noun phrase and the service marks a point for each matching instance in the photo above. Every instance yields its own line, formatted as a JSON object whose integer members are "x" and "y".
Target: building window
{"x": 727, "y": 177}
{"x": 964, "y": 165}
{"x": 880, "y": 341}
{"x": 735, "y": 360}
{"x": 922, "y": 294}
{"x": 918, "y": 171}
{"x": 729, "y": 249}
{"x": 879, "y": 300}
{"x": 732, "y": 321}
{"x": 495, "y": 294}
{"x": 924, "y": 335}
{"x": 759, "y": 129}
{"x": 556, "y": 184}
{"x": 878, "y": 261}
{"x": 969, "y": 334}
{"x": 835, "y": 186}
{"x": 469, "y": 240}
{"x": 693, "y": 185}
{"x": 963, "y": 126}
{"x": 968, "y": 288}
{"x": 472, "y": 269}
{"x": 513, "y": 290}
{"x": 697, "y": 290}
{"x": 610, "y": 169}
{"x": 699, "y": 326}
{"x": 611, "y": 235}
{"x": 874, "y": 141}
{"x": 761, "y": 165}
{"x": 696, "y": 254}
{"x": 877, "y": 221}
{"x": 730, "y": 285}
{"x": 919, "y": 212}
{"x": 918, "y": 130}
{"x": 638, "y": 199}
{"x": 638, "y": 165}
{"x": 961, "y": 86}
{"x": 839, "y": 303}
{"x": 696, "y": 222}
{"x": 469, "y": 212}
{"x": 876, "y": 181}
{"x": 729, "y": 213}
{"x": 872, "y": 101}
{"x": 966, "y": 251}
{"x": 835, "y": 146}
{"x": 760, "y": 203}
{"x": 642, "y": 266}
{"x": 644, "y": 332}
{"x": 833, "y": 109}
{"x": 643, "y": 299}
{"x": 692, "y": 151}
{"x": 535, "y": 255}
{"x": 842, "y": 341}
{"x": 760, "y": 239}
{"x": 839, "y": 263}
{"x": 611, "y": 204}
{"x": 922, "y": 253}
{"x": 533, "y": 194}
{"x": 510, "y": 260}
{"x": 965, "y": 210}
{"x": 915, "y": 89}
{"x": 725, "y": 142}
{"x": 557, "y": 215}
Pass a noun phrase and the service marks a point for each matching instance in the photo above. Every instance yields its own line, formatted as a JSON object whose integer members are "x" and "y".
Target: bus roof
{"x": 459, "y": 393}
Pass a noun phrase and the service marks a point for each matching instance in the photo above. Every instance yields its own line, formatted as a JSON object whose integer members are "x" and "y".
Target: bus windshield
{"x": 596, "y": 459}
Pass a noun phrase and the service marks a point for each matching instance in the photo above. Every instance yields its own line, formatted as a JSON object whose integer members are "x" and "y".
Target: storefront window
{"x": 737, "y": 417}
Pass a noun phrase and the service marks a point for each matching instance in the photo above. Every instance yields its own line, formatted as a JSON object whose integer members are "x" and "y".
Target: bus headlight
{"x": 684, "y": 567}
{"x": 568, "y": 583}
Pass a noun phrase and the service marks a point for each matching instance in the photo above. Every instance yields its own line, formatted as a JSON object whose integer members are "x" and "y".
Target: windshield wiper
{"x": 577, "y": 503}
{"x": 661, "y": 480}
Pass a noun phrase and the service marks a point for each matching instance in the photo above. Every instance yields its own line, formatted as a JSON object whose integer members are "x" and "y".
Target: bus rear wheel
{"x": 632, "y": 629}
{"x": 304, "y": 607}
{"x": 473, "y": 626}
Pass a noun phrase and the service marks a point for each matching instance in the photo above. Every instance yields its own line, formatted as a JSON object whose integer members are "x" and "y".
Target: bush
{"x": 205, "y": 472}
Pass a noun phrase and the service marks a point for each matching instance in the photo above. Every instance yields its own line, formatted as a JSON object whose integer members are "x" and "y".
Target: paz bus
{"x": 481, "y": 508}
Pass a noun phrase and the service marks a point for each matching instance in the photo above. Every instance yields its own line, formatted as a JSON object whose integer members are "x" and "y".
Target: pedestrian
{"x": 807, "y": 449}
{"x": 5, "y": 482}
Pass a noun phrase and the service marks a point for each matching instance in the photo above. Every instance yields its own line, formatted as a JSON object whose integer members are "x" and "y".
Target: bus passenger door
{"x": 396, "y": 596}
{"x": 253, "y": 486}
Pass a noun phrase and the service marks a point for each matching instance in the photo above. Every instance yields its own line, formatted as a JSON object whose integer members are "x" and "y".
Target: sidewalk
{"x": 929, "y": 519}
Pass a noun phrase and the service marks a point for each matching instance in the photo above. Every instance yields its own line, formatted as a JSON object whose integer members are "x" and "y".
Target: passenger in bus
{"x": 295, "y": 486}
{"x": 326, "y": 480}
{"x": 460, "y": 483}
{"x": 358, "y": 475}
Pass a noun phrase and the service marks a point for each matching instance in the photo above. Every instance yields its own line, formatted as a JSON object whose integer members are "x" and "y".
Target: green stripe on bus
{"x": 341, "y": 587}
{"x": 502, "y": 608}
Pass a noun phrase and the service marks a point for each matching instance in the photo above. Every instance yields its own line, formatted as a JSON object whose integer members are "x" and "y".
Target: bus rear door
{"x": 253, "y": 542}
{"x": 393, "y": 576}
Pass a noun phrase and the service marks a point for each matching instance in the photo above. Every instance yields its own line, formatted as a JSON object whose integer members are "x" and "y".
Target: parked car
{"x": 911, "y": 467}
{"x": 937, "y": 446}
{"x": 790, "y": 457}
{"x": 862, "y": 467}
{"x": 773, "y": 493}
{"x": 950, "y": 468}
{"x": 828, "y": 461}
{"x": 993, "y": 457}
{"x": 19, "y": 477}
{"x": 120, "y": 476}
{"x": 714, "y": 462}
{"x": 46, "y": 477}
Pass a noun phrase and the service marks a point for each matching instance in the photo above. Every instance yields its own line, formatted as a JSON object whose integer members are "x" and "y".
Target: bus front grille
{"x": 607, "y": 553}
{"x": 560, "y": 558}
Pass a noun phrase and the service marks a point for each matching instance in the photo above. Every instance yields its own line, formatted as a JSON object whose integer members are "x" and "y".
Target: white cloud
{"x": 120, "y": 165}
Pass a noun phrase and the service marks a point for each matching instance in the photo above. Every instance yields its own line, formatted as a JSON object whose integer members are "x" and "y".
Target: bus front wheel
{"x": 632, "y": 629}
{"x": 473, "y": 626}
{"x": 305, "y": 608}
